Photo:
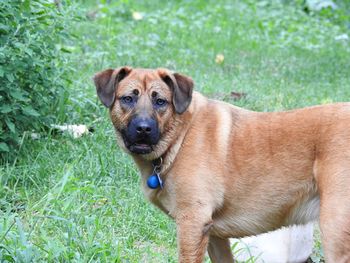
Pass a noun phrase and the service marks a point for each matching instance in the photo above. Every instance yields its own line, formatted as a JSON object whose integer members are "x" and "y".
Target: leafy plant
{"x": 33, "y": 74}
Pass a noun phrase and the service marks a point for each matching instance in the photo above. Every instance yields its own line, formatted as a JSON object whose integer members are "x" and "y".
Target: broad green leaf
{"x": 17, "y": 95}
{"x": 10, "y": 77}
{"x": 30, "y": 111}
{"x": 5, "y": 108}
{"x": 4, "y": 29}
{"x": 4, "y": 147}
{"x": 28, "y": 51}
{"x": 10, "y": 125}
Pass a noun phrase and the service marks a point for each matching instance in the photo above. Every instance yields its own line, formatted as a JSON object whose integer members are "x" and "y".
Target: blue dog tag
{"x": 154, "y": 181}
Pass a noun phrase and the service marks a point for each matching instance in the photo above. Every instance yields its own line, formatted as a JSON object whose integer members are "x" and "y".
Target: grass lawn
{"x": 79, "y": 200}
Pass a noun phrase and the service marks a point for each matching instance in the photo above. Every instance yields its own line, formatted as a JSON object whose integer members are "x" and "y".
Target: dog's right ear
{"x": 106, "y": 83}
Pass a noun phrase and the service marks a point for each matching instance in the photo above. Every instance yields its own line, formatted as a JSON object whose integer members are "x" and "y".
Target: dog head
{"x": 143, "y": 104}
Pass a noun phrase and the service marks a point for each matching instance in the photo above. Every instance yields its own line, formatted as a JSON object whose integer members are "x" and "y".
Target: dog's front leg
{"x": 192, "y": 234}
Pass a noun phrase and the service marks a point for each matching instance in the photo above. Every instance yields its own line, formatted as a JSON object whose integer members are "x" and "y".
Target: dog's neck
{"x": 168, "y": 157}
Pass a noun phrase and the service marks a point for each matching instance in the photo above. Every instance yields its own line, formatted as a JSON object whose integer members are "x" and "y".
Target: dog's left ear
{"x": 182, "y": 87}
{"x": 107, "y": 81}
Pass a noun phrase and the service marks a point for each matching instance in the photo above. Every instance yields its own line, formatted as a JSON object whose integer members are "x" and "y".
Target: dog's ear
{"x": 107, "y": 81}
{"x": 182, "y": 87}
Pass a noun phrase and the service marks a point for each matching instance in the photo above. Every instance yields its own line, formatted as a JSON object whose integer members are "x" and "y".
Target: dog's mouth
{"x": 141, "y": 146}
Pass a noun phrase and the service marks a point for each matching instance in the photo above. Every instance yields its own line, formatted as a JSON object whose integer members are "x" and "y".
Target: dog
{"x": 221, "y": 171}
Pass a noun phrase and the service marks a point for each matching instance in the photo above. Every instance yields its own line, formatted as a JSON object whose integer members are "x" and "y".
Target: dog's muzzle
{"x": 141, "y": 134}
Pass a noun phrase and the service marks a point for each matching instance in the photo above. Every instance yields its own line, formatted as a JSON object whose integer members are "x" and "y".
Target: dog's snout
{"x": 142, "y": 130}
{"x": 144, "y": 127}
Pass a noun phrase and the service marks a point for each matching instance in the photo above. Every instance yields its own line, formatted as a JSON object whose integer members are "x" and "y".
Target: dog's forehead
{"x": 145, "y": 75}
{"x": 144, "y": 79}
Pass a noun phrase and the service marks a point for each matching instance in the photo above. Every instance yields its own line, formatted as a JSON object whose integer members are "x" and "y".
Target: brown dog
{"x": 230, "y": 172}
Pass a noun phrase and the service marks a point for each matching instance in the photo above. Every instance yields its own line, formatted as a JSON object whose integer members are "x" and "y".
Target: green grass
{"x": 79, "y": 200}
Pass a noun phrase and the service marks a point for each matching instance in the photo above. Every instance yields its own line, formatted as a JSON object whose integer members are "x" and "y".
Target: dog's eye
{"x": 160, "y": 102}
{"x": 127, "y": 99}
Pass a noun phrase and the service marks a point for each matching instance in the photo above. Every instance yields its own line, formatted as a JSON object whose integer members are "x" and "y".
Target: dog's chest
{"x": 162, "y": 198}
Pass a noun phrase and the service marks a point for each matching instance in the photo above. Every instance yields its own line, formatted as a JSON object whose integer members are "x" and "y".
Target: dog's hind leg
{"x": 334, "y": 188}
{"x": 219, "y": 250}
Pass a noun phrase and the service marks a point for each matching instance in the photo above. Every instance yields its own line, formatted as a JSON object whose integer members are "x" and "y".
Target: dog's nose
{"x": 142, "y": 130}
{"x": 143, "y": 127}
